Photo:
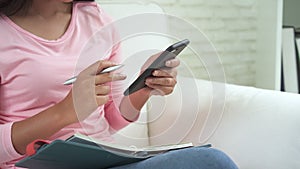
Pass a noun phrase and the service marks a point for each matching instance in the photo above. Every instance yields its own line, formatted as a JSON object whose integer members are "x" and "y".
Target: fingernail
{"x": 122, "y": 75}
{"x": 168, "y": 63}
{"x": 113, "y": 63}
{"x": 119, "y": 75}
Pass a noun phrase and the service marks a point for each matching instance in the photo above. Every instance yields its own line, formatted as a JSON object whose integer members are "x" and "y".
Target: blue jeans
{"x": 189, "y": 158}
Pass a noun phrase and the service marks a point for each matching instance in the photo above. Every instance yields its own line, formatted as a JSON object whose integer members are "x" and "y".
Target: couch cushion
{"x": 258, "y": 128}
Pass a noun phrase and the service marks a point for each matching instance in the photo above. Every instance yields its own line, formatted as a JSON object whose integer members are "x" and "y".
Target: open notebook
{"x": 80, "y": 151}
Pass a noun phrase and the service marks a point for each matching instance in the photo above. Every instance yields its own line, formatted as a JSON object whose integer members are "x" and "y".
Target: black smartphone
{"x": 170, "y": 53}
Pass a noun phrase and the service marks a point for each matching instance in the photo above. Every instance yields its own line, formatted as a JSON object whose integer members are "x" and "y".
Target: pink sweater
{"x": 32, "y": 72}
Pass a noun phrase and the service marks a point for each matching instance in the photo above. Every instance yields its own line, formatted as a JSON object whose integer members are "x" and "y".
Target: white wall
{"x": 232, "y": 27}
{"x": 239, "y": 31}
{"x": 268, "y": 65}
{"x": 246, "y": 34}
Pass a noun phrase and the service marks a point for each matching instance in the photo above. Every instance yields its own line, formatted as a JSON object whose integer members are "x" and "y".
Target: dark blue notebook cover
{"x": 62, "y": 154}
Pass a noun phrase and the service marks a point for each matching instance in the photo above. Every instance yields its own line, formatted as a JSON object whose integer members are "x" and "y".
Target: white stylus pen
{"x": 106, "y": 70}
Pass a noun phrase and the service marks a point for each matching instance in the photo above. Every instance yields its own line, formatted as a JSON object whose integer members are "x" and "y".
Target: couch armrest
{"x": 257, "y": 128}
{"x": 172, "y": 118}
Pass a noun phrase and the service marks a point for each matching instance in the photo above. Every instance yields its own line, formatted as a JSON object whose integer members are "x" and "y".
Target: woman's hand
{"x": 90, "y": 91}
{"x": 163, "y": 80}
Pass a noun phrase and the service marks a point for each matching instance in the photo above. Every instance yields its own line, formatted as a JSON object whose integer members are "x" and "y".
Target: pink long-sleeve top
{"x": 33, "y": 69}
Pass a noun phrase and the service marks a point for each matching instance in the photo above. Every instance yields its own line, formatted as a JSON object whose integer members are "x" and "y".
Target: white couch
{"x": 258, "y": 128}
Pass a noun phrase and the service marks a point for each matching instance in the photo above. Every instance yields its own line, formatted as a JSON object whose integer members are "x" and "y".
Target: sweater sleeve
{"x": 7, "y": 150}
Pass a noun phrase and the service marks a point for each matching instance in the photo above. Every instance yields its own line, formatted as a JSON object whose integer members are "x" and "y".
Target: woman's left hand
{"x": 163, "y": 81}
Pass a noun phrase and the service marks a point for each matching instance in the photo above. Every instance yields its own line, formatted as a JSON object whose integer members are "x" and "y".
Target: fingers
{"x": 164, "y": 80}
{"x": 102, "y": 94}
{"x": 160, "y": 89}
{"x": 173, "y": 63}
{"x": 90, "y": 91}
{"x": 165, "y": 73}
{"x": 91, "y": 84}
{"x": 108, "y": 77}
{"x": 102, "y": 90}
{"x": 170, "y": 71}
{"x": 98, "y": 66}
{"x": 168, "y": 82}
{"x": 93, "y": 76}
{"x": 102, "y": 99}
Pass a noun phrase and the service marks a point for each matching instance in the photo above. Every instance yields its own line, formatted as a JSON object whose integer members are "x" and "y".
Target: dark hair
{"x": 11, "y": 7}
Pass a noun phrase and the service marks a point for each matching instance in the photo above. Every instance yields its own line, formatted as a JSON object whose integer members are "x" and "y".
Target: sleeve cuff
{"x": 7, "y": 150}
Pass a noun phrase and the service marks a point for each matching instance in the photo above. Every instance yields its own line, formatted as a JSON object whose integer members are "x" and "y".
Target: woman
{"x": 41, "y": 42}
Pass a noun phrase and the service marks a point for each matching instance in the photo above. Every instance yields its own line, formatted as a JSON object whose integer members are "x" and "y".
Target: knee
{"x": 213, "y": 158}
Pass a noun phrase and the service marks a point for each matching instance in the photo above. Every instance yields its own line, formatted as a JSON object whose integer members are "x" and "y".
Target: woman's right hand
{"x": 90, "y": 91}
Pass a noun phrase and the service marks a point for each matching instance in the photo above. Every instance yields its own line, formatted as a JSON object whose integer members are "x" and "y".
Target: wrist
{"x": 140, "y": 97}
{"x": 65, "y": 113}
{"x": 146, "y": 92}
